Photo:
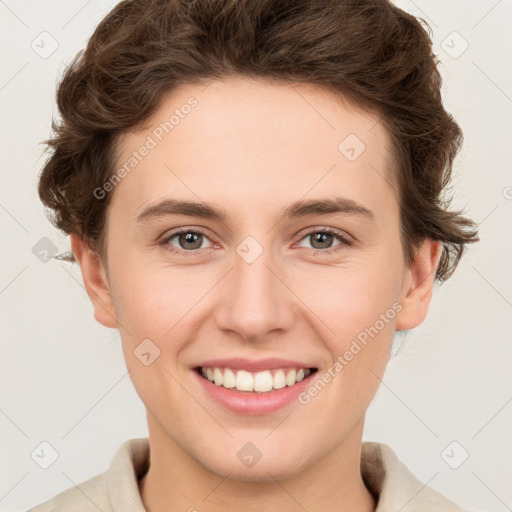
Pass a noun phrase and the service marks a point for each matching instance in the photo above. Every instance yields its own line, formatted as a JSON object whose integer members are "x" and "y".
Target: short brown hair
{"x": 368, "y": 51}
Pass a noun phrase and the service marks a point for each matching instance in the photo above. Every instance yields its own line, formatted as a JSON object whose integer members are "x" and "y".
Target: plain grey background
{"x": 445, "y": 403}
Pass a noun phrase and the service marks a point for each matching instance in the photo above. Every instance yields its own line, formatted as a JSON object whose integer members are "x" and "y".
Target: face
{"x": 287, "y": 274}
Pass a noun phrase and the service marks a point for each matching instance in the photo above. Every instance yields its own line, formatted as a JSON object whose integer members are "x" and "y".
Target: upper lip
{"x": 253, "y": 365}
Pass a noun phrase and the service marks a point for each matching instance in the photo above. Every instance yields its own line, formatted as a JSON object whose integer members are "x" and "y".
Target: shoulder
{"x": 88, "y": 496}
{"x": 114, "y": 490}
{"x": 395, "y": 486}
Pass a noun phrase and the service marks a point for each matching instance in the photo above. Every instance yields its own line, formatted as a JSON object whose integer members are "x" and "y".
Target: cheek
{"x": 350, "y": 298}
{"x": 157, "y": 301}
{"x": 167, "y": 307}
{"x": 349, "y": 384}
{"x": 156, "y": 311}
{"x": 356, "y": 308}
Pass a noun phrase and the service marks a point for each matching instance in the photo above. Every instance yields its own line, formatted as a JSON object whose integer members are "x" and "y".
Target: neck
{"x": 176, "y": 481}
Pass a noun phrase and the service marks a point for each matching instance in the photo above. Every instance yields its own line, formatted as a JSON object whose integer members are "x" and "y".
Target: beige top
{"x": 116, "y": 490}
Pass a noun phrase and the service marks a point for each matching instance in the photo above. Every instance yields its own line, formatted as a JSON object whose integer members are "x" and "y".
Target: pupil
{"x": 190, "y": 238}
{"x": 324, "y": 239}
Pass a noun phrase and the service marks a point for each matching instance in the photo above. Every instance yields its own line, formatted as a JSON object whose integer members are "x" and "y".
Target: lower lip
{"x": 254, "y": 404}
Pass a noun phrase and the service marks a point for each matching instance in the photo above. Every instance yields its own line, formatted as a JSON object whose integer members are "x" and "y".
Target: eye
{"x": 322, "y": 240}
{"x": 188, "y": 240}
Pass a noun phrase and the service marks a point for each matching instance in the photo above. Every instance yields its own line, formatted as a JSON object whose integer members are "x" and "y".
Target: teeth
{"x": 263, "y": 381}
{"x": 260, "y": 382}
{"x": 244, "y": 381}
{"x": 279, "y": 379}
{"x": 217, "y": 376}
{"x": 228, "y": 379}
{"x": 290, "y": 378}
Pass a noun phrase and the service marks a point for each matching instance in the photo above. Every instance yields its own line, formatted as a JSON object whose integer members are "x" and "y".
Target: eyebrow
{"x": 297, "y": 209}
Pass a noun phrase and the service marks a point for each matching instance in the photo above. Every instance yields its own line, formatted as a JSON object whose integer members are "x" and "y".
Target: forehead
{"x": 241, "y": 138}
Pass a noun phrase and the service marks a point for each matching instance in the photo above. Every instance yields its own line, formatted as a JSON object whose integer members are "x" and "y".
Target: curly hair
{"x": 367, "y": 51}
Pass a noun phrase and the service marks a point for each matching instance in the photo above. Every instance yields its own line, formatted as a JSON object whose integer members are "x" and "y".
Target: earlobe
{"x": 418, "y": 285}
{"x": 95, "y": 281}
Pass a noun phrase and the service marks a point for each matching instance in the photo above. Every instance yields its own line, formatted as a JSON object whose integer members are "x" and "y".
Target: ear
{"x": 95, "y": 281}
{"x": 418, "y": 285}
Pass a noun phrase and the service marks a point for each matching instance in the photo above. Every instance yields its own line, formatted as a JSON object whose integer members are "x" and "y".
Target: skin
{"x": 252, "y": 148}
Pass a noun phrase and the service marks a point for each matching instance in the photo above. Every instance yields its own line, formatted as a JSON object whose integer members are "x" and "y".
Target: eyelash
{"x": 317, "y": 252}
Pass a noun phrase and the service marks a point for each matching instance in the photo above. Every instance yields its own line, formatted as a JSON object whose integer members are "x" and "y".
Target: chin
{"x": 266, "y": 468}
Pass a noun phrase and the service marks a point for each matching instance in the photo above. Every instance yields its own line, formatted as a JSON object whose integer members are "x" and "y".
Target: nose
{"x": 255, "y": 299}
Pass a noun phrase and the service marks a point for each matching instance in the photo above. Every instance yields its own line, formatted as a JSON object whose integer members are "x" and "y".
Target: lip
{"x": 240, "y": 363}
{"x": 253, "y": 404}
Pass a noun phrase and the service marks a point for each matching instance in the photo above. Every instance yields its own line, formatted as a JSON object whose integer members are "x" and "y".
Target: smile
{"x": 256, "y": 382}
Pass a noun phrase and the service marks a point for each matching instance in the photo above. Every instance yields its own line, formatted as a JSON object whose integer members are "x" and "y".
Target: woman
{"x": 253, "y": 194}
